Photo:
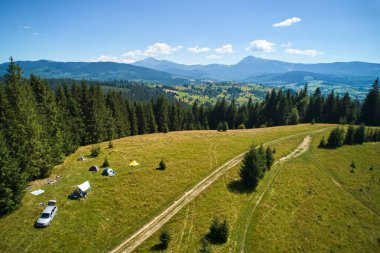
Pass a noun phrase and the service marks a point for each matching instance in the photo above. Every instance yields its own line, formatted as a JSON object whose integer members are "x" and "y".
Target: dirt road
{"x": 157, "y": 222}
{"x": 302, "y": 148}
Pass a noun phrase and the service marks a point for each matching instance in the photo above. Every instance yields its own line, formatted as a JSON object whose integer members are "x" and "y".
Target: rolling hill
{"x": 103, "y": 71}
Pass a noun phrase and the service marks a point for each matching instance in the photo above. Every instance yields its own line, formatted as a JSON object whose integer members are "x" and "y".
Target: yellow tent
{"x": 134, "y": 163}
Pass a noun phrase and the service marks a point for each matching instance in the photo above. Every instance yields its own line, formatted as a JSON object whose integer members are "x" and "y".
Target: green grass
{"x": 192, "y": 223}
{"x": 117, "y": 206}
{"x": 302, "y": 211}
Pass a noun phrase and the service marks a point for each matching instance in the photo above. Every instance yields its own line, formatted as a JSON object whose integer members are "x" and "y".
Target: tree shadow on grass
{"x": 158, "y": 247}
{"x": 237, "y": 186}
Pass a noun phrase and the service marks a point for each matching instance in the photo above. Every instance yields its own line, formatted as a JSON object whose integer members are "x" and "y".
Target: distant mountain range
{"x": 249, "y": 69}
{"x": 253, "y": 69}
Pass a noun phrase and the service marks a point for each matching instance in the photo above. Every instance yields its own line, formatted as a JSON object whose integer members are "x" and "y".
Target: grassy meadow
{"x": 302, "y": 210}
{"x": 117, "y": 206}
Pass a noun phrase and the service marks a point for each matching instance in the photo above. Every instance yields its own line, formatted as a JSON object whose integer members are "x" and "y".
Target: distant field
{"x": 303, "y": 210}
{"x": 117, "y": 206}
{"x": 211, "y": 92}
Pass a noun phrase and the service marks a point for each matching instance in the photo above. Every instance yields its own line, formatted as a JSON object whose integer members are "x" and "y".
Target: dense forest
{"x": 40, "y": 124}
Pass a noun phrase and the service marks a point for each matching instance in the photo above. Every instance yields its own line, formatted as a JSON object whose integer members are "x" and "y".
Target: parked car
{"x": 48, "y": 214}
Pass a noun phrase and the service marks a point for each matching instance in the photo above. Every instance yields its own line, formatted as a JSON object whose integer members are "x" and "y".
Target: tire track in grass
{"x": 302, "y": 148}
{"x": 137, "y": 238}
{"x": 346, "y": 190}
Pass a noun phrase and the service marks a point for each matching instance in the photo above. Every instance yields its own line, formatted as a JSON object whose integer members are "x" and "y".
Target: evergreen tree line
{"x": 354, "y": 135}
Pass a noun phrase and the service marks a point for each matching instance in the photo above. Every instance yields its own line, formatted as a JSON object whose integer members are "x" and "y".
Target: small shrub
{"x": 95, "y": 151}
{"x": 353, "y": 167}
{"x": 106, "y": 163}
{"x": 162, "y": 165}
{"x": 218, "y": 232}
{"x": 225, "y": 126}
{"x": 165, "y": 238}
{"x": 165, "y": 128}
{"x": 370, "y": 168}
{"x": 313, "y": 121}
{"x": 241, "y": 126}
{"x": 110, "y": 144}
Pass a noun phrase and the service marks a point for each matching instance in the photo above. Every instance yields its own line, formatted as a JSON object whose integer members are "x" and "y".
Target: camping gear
{"x": 81, "y": 158}
{"x": 108, "y": 172}
{"x": 94, "y": 168}
{"x": 37, "y": 192}
{"x": 80, "y": 191}
{"x": 134, "y": 163}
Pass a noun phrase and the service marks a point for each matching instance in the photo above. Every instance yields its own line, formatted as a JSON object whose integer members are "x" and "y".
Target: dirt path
{"x": 134, "y": 240}
{"x": 302, "y": 148}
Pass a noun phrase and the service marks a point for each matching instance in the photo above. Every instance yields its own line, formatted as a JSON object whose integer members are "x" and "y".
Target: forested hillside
{"x": 39, "y": 125}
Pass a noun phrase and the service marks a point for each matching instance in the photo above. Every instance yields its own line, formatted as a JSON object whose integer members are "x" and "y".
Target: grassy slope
{"x": 117, "y": 206}
{"x": 306, "y": 211}
{"x": 302, "y": 211}
{"x": 192, "y": 223}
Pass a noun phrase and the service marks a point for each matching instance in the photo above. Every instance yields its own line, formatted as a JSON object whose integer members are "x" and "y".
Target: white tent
{"x": 85, "y": 186}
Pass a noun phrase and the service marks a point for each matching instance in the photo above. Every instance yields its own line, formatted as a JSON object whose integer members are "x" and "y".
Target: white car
{"x": 48, "y": 214}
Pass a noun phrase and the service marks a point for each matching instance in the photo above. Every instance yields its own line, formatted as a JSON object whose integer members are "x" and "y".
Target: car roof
{"x": 48, "y": 209}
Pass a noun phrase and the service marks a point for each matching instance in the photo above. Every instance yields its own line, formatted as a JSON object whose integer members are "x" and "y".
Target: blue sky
{"x": 190, "y": 32}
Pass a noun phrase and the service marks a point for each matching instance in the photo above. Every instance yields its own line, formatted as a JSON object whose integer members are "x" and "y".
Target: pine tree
{"x": 336, "y": 138}
{"x": 269, "y": 157}
{"x": 12, "y": 180}
{"x": 165, "y": 238}
{"x": 218, "y": 231}
{"x": 22, "y": 128}
{"x": 142, "y": 126}
{"x": 48, "y": 117}
{"x": 253, "y": 167}
{"x": 370, "y": 114}
{"x": 360, "y": 135}
{"x": 294, "y": 116}
{"x": 350, "y": 135}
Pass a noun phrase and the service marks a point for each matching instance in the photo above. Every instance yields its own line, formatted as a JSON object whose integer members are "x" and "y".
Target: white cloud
{"x": 35, "y": 34}
{"x": 225, "y": 49}
{"x": 261, "y": 46}
{"x": 26, "y": 27}
{"x": 307, "y": 52}
{"x": 288, "y": 44}
{"x": 214, "y": 56}
{"x": 156, "y": 49}
{"x": 133, "y": 53}
{"x": 160, "y": 48}
{"x": 197, "y": 49}
{"x": 110, "y": 58}
{"x": 287, "y": 22}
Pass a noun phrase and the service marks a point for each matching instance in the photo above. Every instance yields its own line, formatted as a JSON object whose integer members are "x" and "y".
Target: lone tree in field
{"x": 253, "y": 168}
{"x": 165, "y": 238}
{"x": 162, "y": 165}
{"x": 218, "y": 232}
